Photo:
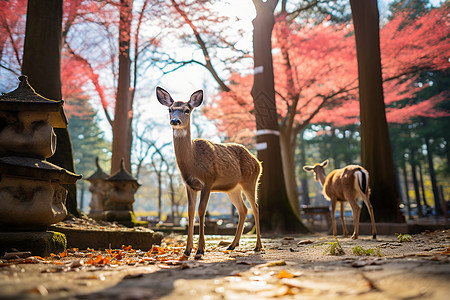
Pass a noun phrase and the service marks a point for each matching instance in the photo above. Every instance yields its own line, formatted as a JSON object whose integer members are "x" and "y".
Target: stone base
{"x": 38, "y": 243}
{"x": 124, "y": 217}
{"x": 110, "y": 238}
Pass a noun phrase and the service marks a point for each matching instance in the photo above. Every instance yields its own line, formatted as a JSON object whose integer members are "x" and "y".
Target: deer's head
{"x": 318, "y": 169}
{"x": 179, "y": 111}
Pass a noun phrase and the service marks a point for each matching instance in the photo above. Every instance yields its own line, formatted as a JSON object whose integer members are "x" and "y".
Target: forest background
{"x": 187, "y": 45}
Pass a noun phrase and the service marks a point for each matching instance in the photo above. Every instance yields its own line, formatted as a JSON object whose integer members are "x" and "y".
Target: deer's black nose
{"x": 175, "y": 122}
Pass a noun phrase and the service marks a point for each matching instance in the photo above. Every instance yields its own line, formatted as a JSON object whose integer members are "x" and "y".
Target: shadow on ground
{"x": 165, "y": 281}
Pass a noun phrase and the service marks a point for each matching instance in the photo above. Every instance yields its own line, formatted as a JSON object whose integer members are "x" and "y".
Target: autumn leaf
{"x": 63, "y": 254}
{"x": 183, "y": 257}
{"x": 157, "y": 250}
{"x": 98, "y": 259}
{"x": 446, "y": 252}
{"x": 106, "y": 259}
{"x": 284, "y": 274}
{"x": 126, "y": 248}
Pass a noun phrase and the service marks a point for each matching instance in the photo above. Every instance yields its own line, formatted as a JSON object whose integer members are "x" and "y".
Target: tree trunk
{"x": 123, "y": 114}
{"x": 158, "y": 174}
{"x": 288, "y": 159}
{"x": 276, "y": 212}
{"x": 303, "y": 178}
{"x": 422, "y": 186}
{"x": 413, "y": 164}
{"x": 405, "y": 182}
{"x": 437, "y": 198}
{"x": 42, "y": 65}
{"x": 375, "y": 144}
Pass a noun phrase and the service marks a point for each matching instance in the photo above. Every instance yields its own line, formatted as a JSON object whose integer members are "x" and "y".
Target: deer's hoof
{"x": 374, "y": 236}
{"x": 231, "y": 247}
{"x": 198, "y": 255}
{"x": 354, "y": 237}
{"x": 187, "y": 252}
{"x": 257, "y": 249}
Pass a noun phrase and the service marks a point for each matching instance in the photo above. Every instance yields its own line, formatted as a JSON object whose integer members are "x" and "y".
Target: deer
{"x": 211, "y": 167}
{"x": 345, "y": 185}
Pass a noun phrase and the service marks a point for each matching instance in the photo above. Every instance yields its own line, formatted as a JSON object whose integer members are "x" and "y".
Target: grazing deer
{"x": 209, "y": 167}
{"x": 342, "y": 185}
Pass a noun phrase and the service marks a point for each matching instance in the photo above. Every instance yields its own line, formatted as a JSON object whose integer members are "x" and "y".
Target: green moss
{"x": 136, "y": 222}
{"x": 58, "y": 242}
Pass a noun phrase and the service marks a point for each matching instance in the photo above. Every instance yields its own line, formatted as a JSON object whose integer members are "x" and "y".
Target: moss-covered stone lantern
{"x": 119, "y": 206}
{"x": 31, "y": 191}
{"x": 99, "y": 191}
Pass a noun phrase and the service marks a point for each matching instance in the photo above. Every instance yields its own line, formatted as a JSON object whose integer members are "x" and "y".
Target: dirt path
{"x": 289, "y": 267}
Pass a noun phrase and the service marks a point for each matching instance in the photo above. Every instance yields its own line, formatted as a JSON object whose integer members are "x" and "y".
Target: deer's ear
{"x": 196, "y": 98}
{"x": 163, "y": 96}
{"x": 324, "y": 164}
{"x": 308, "y": 168}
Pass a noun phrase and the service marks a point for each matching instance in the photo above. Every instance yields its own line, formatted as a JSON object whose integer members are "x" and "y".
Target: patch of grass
{"x": 334, "y": 248}
{"x": 358, "y": 250}
{"x": 403, "y": 237}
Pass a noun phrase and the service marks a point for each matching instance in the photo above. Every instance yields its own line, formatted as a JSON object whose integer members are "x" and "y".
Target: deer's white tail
{"x": 362, "y": 180}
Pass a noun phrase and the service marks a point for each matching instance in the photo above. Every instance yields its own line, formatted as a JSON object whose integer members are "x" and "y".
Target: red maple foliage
{"x": 318, "y": 75}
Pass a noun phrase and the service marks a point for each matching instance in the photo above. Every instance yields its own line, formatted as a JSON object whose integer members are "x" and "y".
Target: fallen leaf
{"x": 275, "y": 263}
{"x": 40, "y": 289}
{"x": 98, "y": 259}
{"x": 75, "y": 263}
{"x": 284, "y": 274}
{"x": 223, "y": 244}
{"x": 183, "y": 257}
{"x": 11, "y": 255}
{"x": 304, "y": 242}
{"x": 126, "y": 248}
{"x": 106, "y": 259}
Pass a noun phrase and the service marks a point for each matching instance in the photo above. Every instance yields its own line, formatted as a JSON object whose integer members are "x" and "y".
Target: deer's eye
{"x": 187, "y": 111}
{"x": 170, "y": 110}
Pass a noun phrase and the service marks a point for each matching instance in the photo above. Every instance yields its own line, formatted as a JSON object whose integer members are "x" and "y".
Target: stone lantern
{"x": 119, "y": 206}
{"x": 99, "y": 191}
{"x": 31, "y": 193}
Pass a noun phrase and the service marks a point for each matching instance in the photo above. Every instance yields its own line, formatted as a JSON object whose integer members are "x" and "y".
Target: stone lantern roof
{"x": 37, "y": 169}
{"x": 122, "y": 175}
{"x": 25, "y": 98}
{"x": 98, "y": 174}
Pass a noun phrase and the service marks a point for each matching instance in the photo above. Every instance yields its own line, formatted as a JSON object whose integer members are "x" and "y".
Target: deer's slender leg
{"x": 333, "y": 219}
{"x": 344, "y": 227}
{"x": 204, "y": 197}
{"x": 372, "y": 218}
{"x": 192, "y": 200}
{"x": 250, "y": 193}
{"x": 356, "y": 211}
{"x": 236, "y": 198}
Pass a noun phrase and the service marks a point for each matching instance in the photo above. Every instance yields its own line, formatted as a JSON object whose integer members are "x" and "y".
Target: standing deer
{"x": 342, "y": 185}
{"x": 209, "y": 167}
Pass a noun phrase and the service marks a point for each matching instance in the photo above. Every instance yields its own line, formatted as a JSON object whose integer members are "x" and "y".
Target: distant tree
{"x": 88, "y": 142}
{"x": 376, "y": 152}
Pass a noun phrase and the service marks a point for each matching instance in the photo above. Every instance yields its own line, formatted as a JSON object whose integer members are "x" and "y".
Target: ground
{"x": 290, "y": 267}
